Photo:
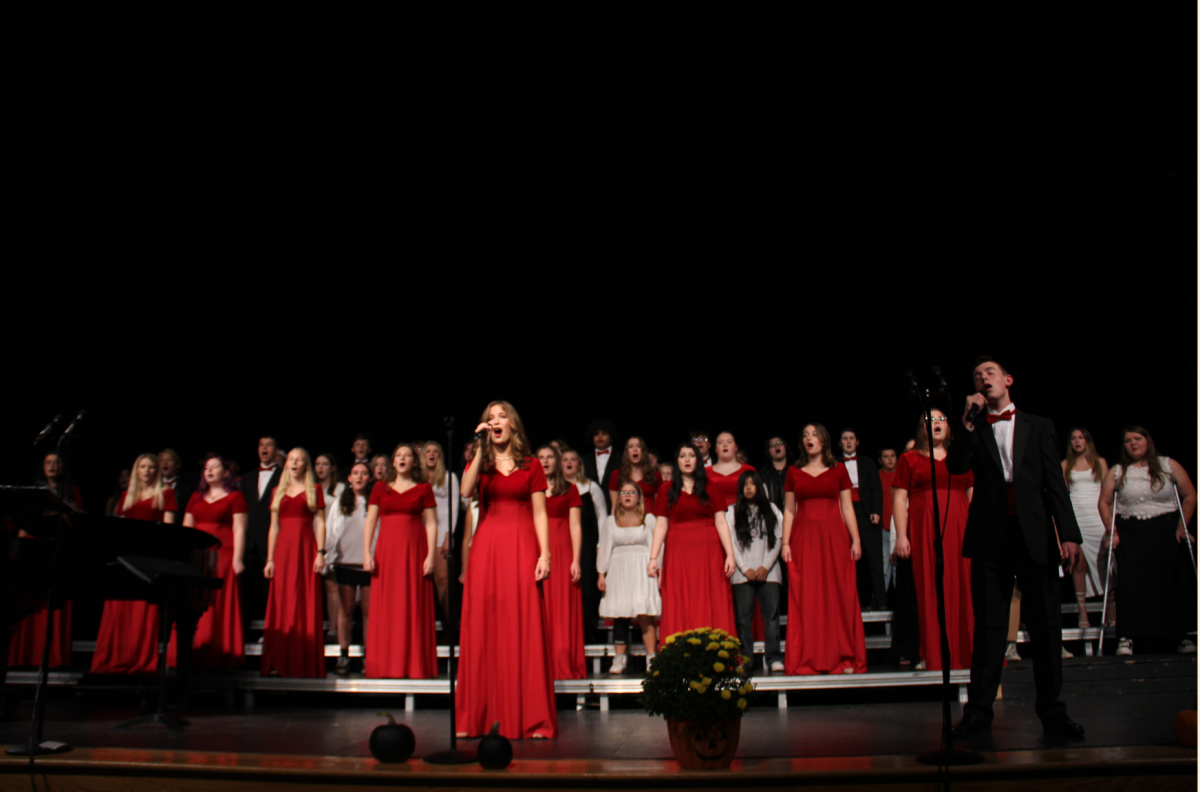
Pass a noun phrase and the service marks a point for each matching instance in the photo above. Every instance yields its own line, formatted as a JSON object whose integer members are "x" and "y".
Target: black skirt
{"x": 351, "y": 575}
{"x": 1156, "y": 587}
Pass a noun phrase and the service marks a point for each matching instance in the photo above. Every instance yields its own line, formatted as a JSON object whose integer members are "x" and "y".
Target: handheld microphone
{"x": 49, "y": 428}
{"x": 482, "y": 433}
{"x": 940, "y": 379}
{"x": 74, "y": 422}
{"x": 971, "y": 415}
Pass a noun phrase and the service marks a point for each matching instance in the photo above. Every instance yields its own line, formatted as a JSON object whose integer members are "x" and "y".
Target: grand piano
{"x": 100, "y": 558}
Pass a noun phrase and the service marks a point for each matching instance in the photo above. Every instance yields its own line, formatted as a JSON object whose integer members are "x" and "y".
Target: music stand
{"x": 169, "y": 580}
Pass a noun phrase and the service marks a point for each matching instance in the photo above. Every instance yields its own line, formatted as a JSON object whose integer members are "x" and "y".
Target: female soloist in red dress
{"x": 562, "y": 589}
{"x": 912, "y": 509}
{"x": 25, "y": 647}
{"x": 825, "y": 629}
{"x": 127, "y": 642}
{"x": 401, "y": 636}
{"x": 217, "y": 509}
{"x": 698, "y": 560}
{"x": 293, "y": 640}
{"x": 505, "y": 673}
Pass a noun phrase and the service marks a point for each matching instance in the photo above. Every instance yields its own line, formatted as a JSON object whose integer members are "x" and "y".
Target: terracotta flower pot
{"x": 707, "y": 744}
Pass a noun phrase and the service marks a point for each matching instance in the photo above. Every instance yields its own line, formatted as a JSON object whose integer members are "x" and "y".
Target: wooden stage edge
{"x": 1149, "y": 767}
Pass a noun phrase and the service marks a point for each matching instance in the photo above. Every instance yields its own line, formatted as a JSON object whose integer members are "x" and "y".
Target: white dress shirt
{"x": 264, "y": 478}
{"x": 852, "y": 469}
{"x": 1003, "y": 432}
{"x": 602, "y": 462}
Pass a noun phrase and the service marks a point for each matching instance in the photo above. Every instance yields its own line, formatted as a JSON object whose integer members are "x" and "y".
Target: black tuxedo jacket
{"x": 1038, "y": 489}
{"x": 870, "y": 488}
{"x": 589, "y": 466}
{"x": 258, "y": 516}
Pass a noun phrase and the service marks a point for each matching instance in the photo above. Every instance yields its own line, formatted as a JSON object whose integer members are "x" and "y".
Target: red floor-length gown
{"x": 219, "y": 642}
{"x": 25, "y": 647}
{"x": 505, "y": 672}
{"x": 825, "y": 628}
{"x": 912, "y": 474}
{"x": 695, "y": 591}
{"x": 564, "y": 599}
{"x": 401, "y": 633}
{"x": 649, "y": 488}
{"x": 294, "y": 637}
{"x": 127, "y": 642}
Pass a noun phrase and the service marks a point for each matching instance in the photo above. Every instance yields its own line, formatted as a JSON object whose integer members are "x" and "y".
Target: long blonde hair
{"x": 134, "y": 491}
{"x": 436, "y": 476}
{"x": 1093, "y": 456}
{"x": 520, "y": 443}
{"x": 581, "y": 477}
{"x": 285, "y": 483}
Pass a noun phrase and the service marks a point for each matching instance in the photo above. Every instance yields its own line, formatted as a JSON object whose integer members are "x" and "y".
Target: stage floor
{"x": 1120, "y": 701}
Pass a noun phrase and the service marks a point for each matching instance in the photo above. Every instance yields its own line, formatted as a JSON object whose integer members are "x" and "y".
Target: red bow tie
{"x": 1004, "y": 416}
{"x": 602, "y": 453}
{"x": 262, "y": 469}
{"x": 851, "y": 458}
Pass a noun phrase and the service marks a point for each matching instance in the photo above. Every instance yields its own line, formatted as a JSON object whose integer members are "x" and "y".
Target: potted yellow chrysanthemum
{"x": 698, "y": 683}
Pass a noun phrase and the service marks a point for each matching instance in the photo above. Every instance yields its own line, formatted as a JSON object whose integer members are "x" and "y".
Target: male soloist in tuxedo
{"x": 256, "y": 489}
{"x": 867, "y": 494}
{"x": 1019, "y": 488}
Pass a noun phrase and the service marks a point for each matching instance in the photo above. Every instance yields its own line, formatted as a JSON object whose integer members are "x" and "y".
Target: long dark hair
{"x": 228, "y": 483}
{"x": 1153, "y": 463}
{"x": 741, "y": 511}
{"x": 647, "y": 469}
{"x": 826, "y": 447}
{"x": 699, "y": 477}
{"x": 556, "y": 480}
{"x": 349, "y": 496}
{"x": 333, "y": 473}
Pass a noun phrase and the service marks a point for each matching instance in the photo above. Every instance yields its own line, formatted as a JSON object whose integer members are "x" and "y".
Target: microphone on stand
{"x": 49, "y": 428}
{"x": 940, "y": 380}
{"x": 74, "y": 422}
{"x": 911, "y": 379}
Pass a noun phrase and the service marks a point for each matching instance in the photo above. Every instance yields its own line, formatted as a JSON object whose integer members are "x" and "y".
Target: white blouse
{"x": 1137, "y": 499}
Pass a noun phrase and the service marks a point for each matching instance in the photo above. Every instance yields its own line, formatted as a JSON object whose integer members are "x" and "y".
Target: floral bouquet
{"x": 698, "y": 674}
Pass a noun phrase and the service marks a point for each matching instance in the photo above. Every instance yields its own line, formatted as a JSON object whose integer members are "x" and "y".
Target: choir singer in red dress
{"x": 505, "y": 674}
{"x": 401, "y": 636}
{"x": 127, "y": 642}
{"x": 293, "y": 639}
{"x": 698, "y": 560}
{"x": 562, "y": 589}
{"x": 820, "y": 547}
{"x": 912, "y": 509}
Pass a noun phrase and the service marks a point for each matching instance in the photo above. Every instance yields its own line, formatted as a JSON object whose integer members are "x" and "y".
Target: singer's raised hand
{"x": 485, "y": 430}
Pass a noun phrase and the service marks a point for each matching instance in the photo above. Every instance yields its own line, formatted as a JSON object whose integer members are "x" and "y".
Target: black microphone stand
{"x": 35, "y": 746}
{"x": 451, "y": 755}
{"x": 947, "y": 755}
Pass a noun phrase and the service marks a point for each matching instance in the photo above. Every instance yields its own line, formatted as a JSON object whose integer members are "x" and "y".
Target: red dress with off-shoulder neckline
{"x": 293, "y": 636}
{"x": 401, "y": 633}
{"x": 127, "y": 642}
{"x": 825, "y": 627}
{"x": 505, "y": 671}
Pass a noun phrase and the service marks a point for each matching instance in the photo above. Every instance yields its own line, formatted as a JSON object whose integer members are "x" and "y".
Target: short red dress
{"x": 649, "y": 488}
{"x": 912, "y": 474}
{"x": 219, "y": 642}
{"x": 505, "y": 673}
{"x": 825, "y": 628}
{"x": 293, "y": 636}
{"x": 695, "y": 591}
{"x": 727, "y": 486}
{"x": 401, "y": 633}
{"x": 25, "y": 647}
{"x": 127, "y": 642}
{"x": 564, "y": 599}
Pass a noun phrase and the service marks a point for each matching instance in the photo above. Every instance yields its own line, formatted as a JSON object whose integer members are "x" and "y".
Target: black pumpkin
{"x": 495, "y": 751}
{"x": 392, "y": 742}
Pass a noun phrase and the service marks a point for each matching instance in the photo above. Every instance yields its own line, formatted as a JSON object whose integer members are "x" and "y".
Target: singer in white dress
{"x": 629, "y": 593}
{"x": 1084, "y": 470}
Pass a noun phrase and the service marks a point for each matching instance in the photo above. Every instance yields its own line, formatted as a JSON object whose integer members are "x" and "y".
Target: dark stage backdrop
{"x": 724, "y": 227}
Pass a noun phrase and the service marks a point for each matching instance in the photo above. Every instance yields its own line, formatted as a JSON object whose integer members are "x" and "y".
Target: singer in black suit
{"x": 603, "y": 458}
{"x": 256, "y": 489}
{"x": 1019, "y": 490}
{"x": 867, "y": 494}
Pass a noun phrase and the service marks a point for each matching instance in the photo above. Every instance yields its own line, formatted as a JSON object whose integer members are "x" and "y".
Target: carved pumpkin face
{"x": 704, "y": 745}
